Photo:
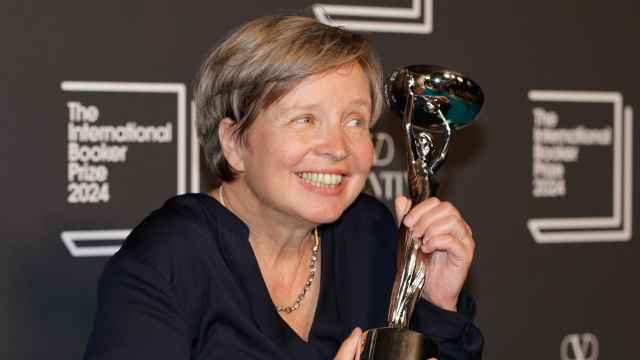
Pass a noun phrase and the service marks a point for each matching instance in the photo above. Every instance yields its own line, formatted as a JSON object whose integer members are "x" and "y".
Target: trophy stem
{"x": 409, "y": 281}
{"x": 424, "y": 161}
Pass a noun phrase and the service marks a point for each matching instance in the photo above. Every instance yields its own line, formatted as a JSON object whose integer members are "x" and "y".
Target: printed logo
{"x": 117, "y": 131}
{"x": 579, "y": 347}
{"x": 385, "y": 184}
{"x": 581, "y": 167}
{"x": 416, "y": 20}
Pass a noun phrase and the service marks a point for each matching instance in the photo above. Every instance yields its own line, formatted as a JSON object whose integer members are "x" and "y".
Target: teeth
{"x": 322, "y": 180}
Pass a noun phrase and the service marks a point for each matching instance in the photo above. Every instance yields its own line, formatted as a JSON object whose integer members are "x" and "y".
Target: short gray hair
{"x": 261, "y": 62}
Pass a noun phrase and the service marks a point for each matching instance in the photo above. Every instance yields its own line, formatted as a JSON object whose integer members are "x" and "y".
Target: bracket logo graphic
{"x": 372, "y": 18}
{"x": 72, "y": 238}
{"x": 618, "y": 226}
{"x": 580, "y": 347}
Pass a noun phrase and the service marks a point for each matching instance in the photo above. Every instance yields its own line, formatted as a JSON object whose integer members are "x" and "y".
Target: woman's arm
{"x": 455, "y": 333}
{"x": 137, "y": 315}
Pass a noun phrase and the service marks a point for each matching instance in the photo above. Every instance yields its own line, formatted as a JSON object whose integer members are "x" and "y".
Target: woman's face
{"x": 308, "y": 155}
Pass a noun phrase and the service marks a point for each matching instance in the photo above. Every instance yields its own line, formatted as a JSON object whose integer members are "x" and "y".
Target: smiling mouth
{"x": 321, "y": 180}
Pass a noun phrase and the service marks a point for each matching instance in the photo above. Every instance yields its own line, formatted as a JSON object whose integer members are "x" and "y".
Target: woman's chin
{"x": 326, "y": 205}
{"x": 323, "y": 215}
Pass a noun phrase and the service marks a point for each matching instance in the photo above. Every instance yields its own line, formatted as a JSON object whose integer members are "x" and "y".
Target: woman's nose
{"x": 333, "y": 143}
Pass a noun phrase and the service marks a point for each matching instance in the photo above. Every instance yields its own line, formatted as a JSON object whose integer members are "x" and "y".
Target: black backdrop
{"x": 545, "y": 177}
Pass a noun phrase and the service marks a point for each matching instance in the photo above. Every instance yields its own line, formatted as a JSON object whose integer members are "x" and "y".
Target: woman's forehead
{"x": 344, "y": 85}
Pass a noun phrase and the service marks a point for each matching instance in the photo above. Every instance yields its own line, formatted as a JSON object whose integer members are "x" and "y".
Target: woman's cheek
{"x": 365, "y": 156}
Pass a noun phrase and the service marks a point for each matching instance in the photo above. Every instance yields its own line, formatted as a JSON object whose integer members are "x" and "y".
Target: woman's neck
{"x": 274, "y": 237}
{"x": 283, "y": 249}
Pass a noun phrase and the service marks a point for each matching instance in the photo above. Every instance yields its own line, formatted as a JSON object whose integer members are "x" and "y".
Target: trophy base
{"x": 396, "y": 344}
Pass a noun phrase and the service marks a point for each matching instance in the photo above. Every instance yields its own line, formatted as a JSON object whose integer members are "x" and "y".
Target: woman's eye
{"x": 355, "y": 122}
{"x": 304, "y": 120}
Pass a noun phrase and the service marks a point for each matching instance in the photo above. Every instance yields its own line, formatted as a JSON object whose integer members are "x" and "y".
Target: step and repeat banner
{"x": 98, "y": 131}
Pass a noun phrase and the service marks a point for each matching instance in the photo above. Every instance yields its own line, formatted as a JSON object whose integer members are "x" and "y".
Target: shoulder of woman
{"x": 169, "y": 259}
{"x": 171, "y": 235}
{"x": 368, "y": 211}
{"x": 368, "y": 220}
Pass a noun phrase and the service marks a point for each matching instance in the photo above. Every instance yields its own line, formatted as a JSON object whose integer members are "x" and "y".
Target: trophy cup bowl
{"x": 432, "y": 102}
{"x": 458, "y": 97}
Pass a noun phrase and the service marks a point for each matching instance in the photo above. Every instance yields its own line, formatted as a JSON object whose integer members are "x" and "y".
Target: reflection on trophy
{"x": 433, "y": 102}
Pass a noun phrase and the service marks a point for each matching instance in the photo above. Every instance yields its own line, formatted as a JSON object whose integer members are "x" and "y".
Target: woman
{"x": 285, "y": 259}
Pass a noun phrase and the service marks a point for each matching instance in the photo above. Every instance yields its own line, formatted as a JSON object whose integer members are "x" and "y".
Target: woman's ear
{"x": 231, "y": 144}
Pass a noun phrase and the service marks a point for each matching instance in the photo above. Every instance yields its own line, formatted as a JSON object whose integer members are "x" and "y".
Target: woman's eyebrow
{"x": 298, "y": 106}
{"x": 363, "y": 102}
{"x": 286, "y": 109}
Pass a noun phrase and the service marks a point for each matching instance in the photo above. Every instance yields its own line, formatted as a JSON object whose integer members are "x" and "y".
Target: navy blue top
{"x": 186, "y": 285}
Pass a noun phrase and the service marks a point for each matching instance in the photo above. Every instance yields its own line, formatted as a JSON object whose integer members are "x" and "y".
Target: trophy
{"x": 433, "y": 102}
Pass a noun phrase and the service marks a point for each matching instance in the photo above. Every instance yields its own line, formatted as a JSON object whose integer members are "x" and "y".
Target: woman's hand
{"x": 350, "y": 348}
{"x": 448, "y": 242}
